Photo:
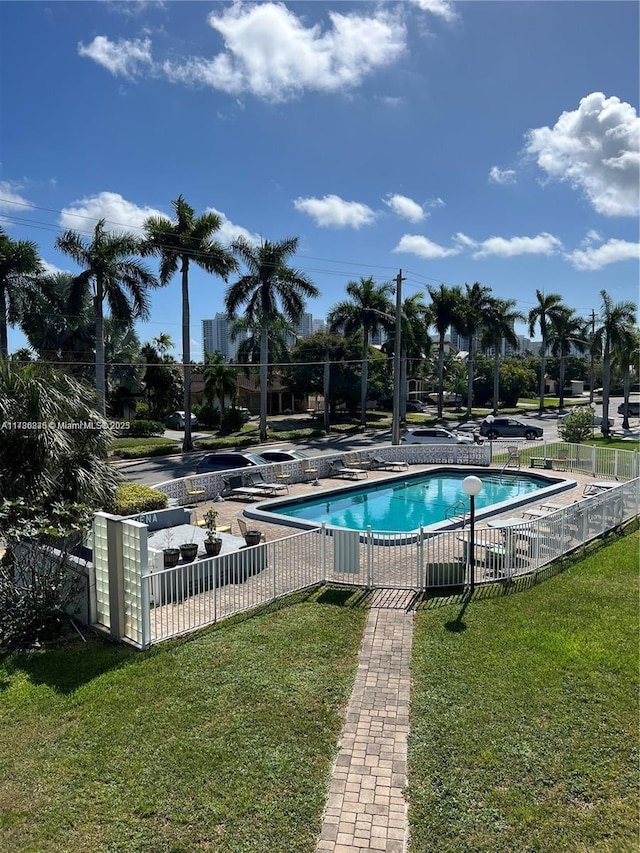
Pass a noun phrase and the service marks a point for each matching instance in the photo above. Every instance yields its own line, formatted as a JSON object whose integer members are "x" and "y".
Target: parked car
{"x": 224, "y": 461}
{"x": 434, "y": 435}
{"x": 633, "y": 408}
{"x": 283, "y": 455}
{"x": 509, "y": 428}
{"x": 176, "y": 420}
{"x": 417, "y": 406}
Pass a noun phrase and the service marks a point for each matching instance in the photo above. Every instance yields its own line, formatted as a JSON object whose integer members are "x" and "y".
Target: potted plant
{"x": 171, "y": 555}
{"x": 189, "y": 550}
{"x": 253, "y": 537}
{"x": 212, "y": 543}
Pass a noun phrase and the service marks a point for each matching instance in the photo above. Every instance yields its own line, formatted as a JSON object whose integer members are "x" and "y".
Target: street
{"x": 162, "y": 468}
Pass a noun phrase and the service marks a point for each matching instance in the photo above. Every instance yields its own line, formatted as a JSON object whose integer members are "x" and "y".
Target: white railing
{"x": 191, "y": 596}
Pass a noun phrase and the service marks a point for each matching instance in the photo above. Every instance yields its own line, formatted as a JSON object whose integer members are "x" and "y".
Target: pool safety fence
{"x": 139, "y": 601}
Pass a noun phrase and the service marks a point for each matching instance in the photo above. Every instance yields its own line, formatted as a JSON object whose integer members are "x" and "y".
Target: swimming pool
{"x": 407, "y": 503}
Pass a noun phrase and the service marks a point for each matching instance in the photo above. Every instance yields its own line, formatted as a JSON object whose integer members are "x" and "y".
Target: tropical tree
{"x": 500, "y": 320}
{"x": 113, "y": 273}
{"x": 61, "y": 460}
{"x": 444, "y": 302}
{"x": 219, "y": 380}
{"x": 178, "y": 243}
{"x": 628, "y": 358}
{"x": 368, "y": 309}
{"x": 268, "y": 289}
{"x": 567, "y": 331}
{"x": 548, "y": 307}
{"x": 20, "y": 265}
{"x": 471, "y": 314}
{"x": 161, "y": 381}
{"x": 124, "y": 366}
{"x": 415, "y": 343}
{"x": 617, "y": 321}
{"x": 281, "y": 333}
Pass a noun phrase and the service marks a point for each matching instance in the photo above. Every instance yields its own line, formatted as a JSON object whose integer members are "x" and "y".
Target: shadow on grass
{"x": 457, "y": 625}
{"x": 344, "y": 596}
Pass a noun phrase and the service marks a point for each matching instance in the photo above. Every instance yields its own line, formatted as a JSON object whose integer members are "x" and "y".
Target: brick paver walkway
{"x": 366, "y": 809}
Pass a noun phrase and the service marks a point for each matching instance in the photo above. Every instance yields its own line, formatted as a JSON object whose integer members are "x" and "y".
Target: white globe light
{"x": 472, "y": 485}
{"x": 489, "y": 419}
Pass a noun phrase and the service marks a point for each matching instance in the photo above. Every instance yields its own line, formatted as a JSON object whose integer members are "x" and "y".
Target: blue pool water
{"x": 404, "y": 505}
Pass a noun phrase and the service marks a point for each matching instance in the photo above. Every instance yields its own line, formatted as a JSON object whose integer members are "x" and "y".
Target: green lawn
{"x": 525, "y": 716}
{"x": 223, "y": 743}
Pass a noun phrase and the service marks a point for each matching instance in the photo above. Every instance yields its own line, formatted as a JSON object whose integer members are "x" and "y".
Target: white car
{"x": 434, "y": 435}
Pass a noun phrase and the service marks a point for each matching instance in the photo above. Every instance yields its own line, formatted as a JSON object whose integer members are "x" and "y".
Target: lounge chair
{"x": 339, "y": 469}
{"x": 194, "y": 492}
{"x": 378, "y": 462}
{"x": 234, "y": 486}
{"x": 255, "y": 479}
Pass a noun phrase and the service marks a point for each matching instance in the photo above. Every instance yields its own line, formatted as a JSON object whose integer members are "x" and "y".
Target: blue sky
{"x": 494, "y": 142}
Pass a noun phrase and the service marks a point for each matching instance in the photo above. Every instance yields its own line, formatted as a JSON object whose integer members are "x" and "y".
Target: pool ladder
{"x": 452, "y": 512}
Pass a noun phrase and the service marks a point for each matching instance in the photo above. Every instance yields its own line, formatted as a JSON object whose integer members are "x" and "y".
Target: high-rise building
{"x": 216, "y": 335}
{"x": 305, "y": 327}
{"x": 319, "y": 325}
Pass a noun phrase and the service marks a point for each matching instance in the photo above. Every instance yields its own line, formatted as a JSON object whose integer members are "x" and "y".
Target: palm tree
{"x": 51, "y": 464}
{"x": 548, "y": 308}
{"x": 415, "y": 343}
{"x": 269, "y": 288}
{"x": 617, "y": 323}
{"x": 567, "y": 330}
{"x": 500, "y": 320}
{"x": 444, "y": 301}
{"x": 281, "y": 332}
{"x": 19, "y": 266}
{"x": 628, "y": 358}
{"x": 471, "y": 314}
{"x": 111, "y": 272}
{"x": 219, "y": 380}
{"x": 178, "y": 243}
{"x": 368, "y": 309}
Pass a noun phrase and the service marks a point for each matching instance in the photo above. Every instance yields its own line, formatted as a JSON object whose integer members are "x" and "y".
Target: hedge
{"x": 134, "y": 497}
{"x": 142, "y": 429}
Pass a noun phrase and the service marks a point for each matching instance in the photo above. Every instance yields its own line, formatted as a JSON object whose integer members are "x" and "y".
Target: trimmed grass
{"x": 125, "y": 443}
{"x": 525, "y": 716}
{"x": 223, "y": 743}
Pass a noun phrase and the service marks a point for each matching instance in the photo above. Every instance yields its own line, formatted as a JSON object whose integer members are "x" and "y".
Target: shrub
{"x": 232, "y": 421}
{"x": 142, "y": 451}
{"x": 143, "y": 429}
{"x": 134, "y": 497}
{"x": 577, "y": 426}
{"x": 207, "y": 415}
{"x": 142, "y": 411}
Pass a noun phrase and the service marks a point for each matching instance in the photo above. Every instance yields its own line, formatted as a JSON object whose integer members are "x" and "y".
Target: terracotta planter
{"x": 171, "y": 557}
{"x": 189, "y": 551}
{"x": 212, "y": 547}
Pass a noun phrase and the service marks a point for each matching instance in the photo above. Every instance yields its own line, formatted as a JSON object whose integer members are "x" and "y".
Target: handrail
{"x": 454, "y": 510}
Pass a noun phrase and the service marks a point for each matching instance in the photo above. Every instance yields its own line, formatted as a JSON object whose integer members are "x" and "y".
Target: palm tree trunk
{"x": 625, "y": 392}
{"x": 4, "y": 344}
{"x": 264, "y": 374}
{"x": 440, "y": 375}
{"x": 365, "y": 378}
{"x": 100, "y": 374}
{"x": 496, "y": 379}
{"x": 326, "y": 386}
{"x": 606, "y": 383}
{"x": 543, "y": 369}
{"x": 187, "y": 443}
{"x": 470, "y": 377}
{"x": 563, "y": 358}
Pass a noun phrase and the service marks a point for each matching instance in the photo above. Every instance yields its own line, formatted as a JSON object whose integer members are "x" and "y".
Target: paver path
{"x": 366, "y": 809}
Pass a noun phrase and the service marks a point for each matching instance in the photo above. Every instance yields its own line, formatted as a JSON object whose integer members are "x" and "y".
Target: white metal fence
{"x": 167, "y": 602}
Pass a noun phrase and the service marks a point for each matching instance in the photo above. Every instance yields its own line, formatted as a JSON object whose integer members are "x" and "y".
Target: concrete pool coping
{"x": 557, "y": 484}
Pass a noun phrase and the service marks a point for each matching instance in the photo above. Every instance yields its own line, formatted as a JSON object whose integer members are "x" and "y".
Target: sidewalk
{"x": 366, "y": 809}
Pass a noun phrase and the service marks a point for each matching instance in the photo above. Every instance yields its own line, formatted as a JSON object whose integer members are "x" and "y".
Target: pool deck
{"x": 232, "y": 508}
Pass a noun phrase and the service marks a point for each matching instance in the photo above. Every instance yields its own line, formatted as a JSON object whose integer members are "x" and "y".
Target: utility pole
{"x": 395, "y": 428}
{"x": 592, "y": 377}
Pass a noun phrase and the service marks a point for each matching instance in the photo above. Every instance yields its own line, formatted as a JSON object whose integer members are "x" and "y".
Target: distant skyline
{"x": 476, "y": 141}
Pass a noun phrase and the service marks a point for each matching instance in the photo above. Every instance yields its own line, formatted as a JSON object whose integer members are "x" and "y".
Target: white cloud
{"x": 501, "y": 176}
{"x": 331, "y": 211}
{"x": 51, "y": 269}
{"x": 542, "y": 244}
{"x": 270, "y": 53}
{"x": 125, "y": 57}
{"x": 434, "y": 202}
{"x": 229, "y": 231}
{"x": 440, "y": 8}
{"x": 610, "y": 252}
{"x": 592, "y": 236}
{"x": 10, "y": 198}
{"x": 120, "y": 214}
{"x": 415, "y": 244}
{"x": 405, "y": 207}
{"x": 596, "y": 149}
{"x": 464, "y": 241}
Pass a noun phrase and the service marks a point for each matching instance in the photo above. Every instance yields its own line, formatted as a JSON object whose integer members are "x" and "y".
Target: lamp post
{"x": 472, "y": 487}
{"x": 490, "y": 419}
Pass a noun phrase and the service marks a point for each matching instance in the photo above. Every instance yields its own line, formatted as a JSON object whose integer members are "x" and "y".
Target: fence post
{"x": 421, "y": 584}
{"x": 323, "y": 551}
{"x": 369, "y": 558}
{"x": 634, "y": 465}
{"x": 594, "y": 457}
